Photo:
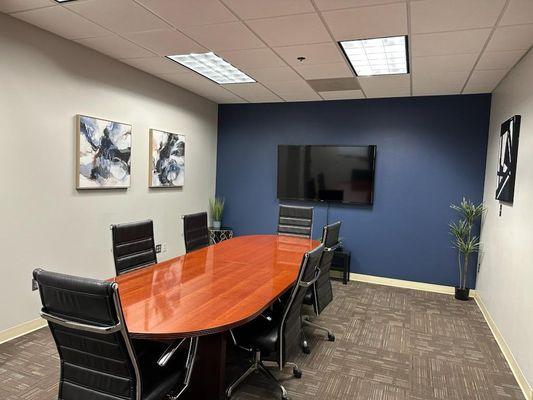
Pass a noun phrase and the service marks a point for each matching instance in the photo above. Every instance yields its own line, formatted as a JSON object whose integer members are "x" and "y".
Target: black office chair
{"x": 295, "y": 221}
{"x": 274, "y": 341}
{"x": 99, "y": 361}
{"x": 321, "y": 293}
{"x": 195, "y": 231}
{"x": 133, "y": 246}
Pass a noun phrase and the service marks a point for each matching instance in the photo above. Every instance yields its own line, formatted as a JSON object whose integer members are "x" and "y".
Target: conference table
{"x": 207, "y": 292}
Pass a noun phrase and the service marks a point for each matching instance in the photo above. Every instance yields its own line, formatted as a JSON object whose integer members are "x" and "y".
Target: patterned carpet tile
{"x": 391, "y": 344}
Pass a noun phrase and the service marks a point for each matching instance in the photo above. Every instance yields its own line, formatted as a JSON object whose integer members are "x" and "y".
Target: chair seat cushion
{"x": 158, "y": 381}
{"x": 308, "y": 299}
{"x": 260, "y": 334}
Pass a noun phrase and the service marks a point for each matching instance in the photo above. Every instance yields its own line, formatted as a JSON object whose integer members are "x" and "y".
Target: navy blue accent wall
{"x": 430, "y": 152}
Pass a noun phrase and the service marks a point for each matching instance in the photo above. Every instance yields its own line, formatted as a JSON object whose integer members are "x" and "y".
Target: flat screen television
{"x": 343, "y": 174}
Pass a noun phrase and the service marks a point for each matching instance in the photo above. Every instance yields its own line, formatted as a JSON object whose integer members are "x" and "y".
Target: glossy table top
{"x": 212, "y": 289}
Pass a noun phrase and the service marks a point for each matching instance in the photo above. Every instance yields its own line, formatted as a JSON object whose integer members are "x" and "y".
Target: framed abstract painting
{"x": 167, "y": 159}
{"x": 104, "y": 153}
{"x": 509, "y": 135}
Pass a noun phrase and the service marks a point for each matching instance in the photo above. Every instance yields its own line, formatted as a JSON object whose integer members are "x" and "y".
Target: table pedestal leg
{"x": 208, "y": 377}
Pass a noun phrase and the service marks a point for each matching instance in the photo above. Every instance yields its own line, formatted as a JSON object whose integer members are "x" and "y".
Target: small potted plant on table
{"x": 464, "y": 241}
{"x": 217, "y": 208}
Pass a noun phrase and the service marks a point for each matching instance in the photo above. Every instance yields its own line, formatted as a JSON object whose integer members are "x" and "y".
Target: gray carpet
{"x": 392, "y": 344}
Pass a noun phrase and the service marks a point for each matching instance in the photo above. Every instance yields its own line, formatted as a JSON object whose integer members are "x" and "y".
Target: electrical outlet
{"x": 163, "y": 247}
{"x": 158, "y": 248}
{"x": 34, "y": 285}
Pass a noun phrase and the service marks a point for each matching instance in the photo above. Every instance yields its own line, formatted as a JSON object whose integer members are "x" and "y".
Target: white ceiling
{"x": 455, "y": 46}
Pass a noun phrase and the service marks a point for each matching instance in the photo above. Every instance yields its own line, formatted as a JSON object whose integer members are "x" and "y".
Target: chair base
{"x": 261, "y": 366}
{"x": 306, "y": 321}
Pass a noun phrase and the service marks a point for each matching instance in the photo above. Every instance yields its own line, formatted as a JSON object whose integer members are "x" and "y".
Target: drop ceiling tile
{"x": 253, "y": 92}
{"x": 368, "y": 22}
{"x": 250, "y": 9}
{"x": 62, "y": 22}
{"x": 320, "y": 71}
{"x": 155, "y": 65}
{"x": 518, "y": 37}
{"x": 342, "y": 95}
{"x": 184, "y": 13}
{"x": 518, "y": 12}
{"x": 386, "y": 86}
{"x": 444, "y": 64}
{"x": 11, "y": 6}
{"x": 485, "y": 80}
{"x": 320, "y": 53}
{"x": 291, "y": 30}
{"x": 292, "y": 88}
{"x": 499, "y": 59}
{"x": 439, "y": 16}
{"x": 272, "y": 74}
{"x": 252, "y": 58}
{"x": 290, "y": 97}
{"x": 339, "y": 4}
{"x": 226, "y": 36}
{"x": 445, "y": 43}
{"x": 165, "y": 42}
{"x": 434, "y": 83}
{"x": 119, "y": 16}
{"x": 202, "y": 87}
{"x": 116, "y": 47}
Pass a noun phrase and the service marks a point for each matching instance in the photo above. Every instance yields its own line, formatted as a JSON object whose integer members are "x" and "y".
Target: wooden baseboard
{"x": 22, "y": 329}
{"x": 527, "y": 389}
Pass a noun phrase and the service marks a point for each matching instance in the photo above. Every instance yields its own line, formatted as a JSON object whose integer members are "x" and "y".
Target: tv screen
{"x": 342, "y": 174}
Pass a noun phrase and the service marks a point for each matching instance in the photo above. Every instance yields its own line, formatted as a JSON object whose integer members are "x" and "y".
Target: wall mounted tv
{"x": 343, "y": 174}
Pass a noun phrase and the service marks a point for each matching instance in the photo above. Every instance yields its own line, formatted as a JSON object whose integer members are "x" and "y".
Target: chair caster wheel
{"x": 297, "y": 373}
{"x": 306, "y": 350}
{"x": 331, "y": 337}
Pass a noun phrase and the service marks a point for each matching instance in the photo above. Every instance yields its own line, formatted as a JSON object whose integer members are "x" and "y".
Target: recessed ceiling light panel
{"x": 380, "y": 56}
{"x": 212, "y": 67}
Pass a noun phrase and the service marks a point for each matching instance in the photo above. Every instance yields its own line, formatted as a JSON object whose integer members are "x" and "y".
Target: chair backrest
{"x": 133, "y": 245}
{"x": 322, "y": 290}
{"x": 85, "y": 317}
{"x": 290, "y": 334}
{"x": 295, "y": 221}
{"x": 195, "y": 231}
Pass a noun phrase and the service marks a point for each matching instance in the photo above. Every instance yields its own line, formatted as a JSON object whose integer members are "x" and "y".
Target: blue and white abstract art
{"x": 104, "y": 154}
{"x": 167, "y": 159}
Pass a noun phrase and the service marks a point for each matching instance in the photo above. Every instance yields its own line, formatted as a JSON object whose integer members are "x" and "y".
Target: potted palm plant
{"x": 217, "y": 208}
{"x": 464, "y": 241}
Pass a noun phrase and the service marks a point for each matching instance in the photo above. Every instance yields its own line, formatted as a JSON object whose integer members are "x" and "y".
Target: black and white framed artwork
{"x": 509, "y": 136}
{"x": 104, "y": 152}
{"x": 167, "y": 159}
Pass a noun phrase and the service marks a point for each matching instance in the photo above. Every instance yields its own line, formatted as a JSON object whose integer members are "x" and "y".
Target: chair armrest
{"x": 334, "y": 247}
{"x": 312, "y": 281}
{"x": 169, "y": 352}
{"x": 81, "y": 326}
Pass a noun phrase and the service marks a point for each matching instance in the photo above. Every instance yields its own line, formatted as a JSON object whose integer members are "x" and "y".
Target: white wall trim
{"x": 428, "y": 287}
{"x": 515, "y": 368}
{"x": 21, "y": 330}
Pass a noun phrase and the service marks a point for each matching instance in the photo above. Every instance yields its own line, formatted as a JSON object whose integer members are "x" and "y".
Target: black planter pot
{"x": 462, "y": 294}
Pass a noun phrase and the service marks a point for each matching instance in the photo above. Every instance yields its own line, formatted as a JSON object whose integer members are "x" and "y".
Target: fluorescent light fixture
{"x": 212, "y": 67}
{"x": 380, "y": 56}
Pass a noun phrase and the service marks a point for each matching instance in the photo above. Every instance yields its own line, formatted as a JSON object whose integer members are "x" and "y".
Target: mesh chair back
{"x": 133, "y": 246}
{"x": 195, "y": 231}
{"x": 295, "y": 221}
{"x": 85, "y": 317}
{"x": 291, "y": 325}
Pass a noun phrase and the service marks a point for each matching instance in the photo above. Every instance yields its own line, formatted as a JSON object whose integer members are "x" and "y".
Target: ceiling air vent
{"x": 334, "y": 84}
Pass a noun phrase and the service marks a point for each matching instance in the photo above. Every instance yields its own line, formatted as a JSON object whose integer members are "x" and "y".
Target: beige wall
{"x": 505, "y": 281}
{"x": 44, "y": 82}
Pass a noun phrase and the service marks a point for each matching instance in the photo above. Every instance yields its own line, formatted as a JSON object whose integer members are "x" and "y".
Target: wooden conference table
{"x": 207, "y": 292}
